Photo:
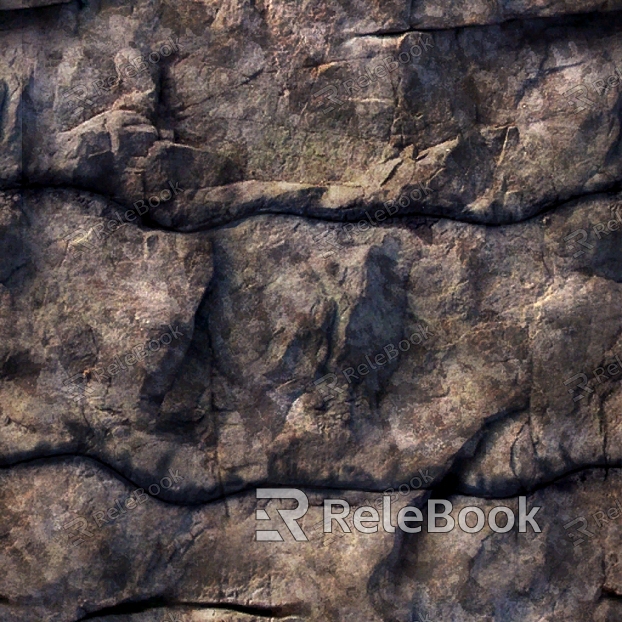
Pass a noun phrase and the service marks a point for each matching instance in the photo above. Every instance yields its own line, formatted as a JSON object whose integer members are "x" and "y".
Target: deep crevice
{"x": 57, "y": 4}
{"x": 610, "y": 593}
{"x": 447, "y": 486}
{"x": 355, "y": 214}
{"x": 160, "y": 602}
{"x": 450, "y": 484}
{"x": 340, "y": 215}
{"x": 61, "y": 458}
{"x": 563, "y": 20}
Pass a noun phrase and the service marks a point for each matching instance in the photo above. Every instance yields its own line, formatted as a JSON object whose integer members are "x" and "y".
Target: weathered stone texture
{"x": 335, "y": 246}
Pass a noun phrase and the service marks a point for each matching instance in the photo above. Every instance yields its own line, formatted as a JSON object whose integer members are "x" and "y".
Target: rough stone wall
{"x": 343, "y": 247}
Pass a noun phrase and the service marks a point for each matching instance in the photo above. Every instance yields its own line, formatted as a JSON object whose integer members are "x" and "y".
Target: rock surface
{"x": 343, "y": 248}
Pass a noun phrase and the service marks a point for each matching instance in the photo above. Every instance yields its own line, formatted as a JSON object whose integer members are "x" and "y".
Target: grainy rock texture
{"x": 339, "y": 247}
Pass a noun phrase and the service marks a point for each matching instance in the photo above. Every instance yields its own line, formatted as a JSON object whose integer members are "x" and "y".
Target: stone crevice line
{"x": 448, "y": 486}
{"x": 250, "y": 486}
{"x": 161, "y": 602}
{"x": 559, "y": 19}
{"x": 608, "y": 592}
{"x": 355, "y": 213}
{"x": 344, "y": 215}
{"x": 52, "y": 3}
{"x": 553, "y": 19}
{"x": 597, "y": 466}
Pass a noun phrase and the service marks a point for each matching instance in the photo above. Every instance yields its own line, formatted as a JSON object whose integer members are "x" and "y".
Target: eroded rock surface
{"x": 336, "y": 247}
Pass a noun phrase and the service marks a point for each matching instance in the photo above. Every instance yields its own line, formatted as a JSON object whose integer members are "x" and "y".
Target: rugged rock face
{"x": 336, "y": 247}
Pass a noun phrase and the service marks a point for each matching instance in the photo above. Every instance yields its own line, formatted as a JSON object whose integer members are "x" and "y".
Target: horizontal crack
{"x": 54, "y": 4}
{"x": 564, "y": 19}
{"x": 64, "y": 457}
{"x": 607, "y": 592}
{"x": 349, "y": 215}
{"x": 160, "y": 602}
{"x": 339, "y": 215}
{"x": 450, "y": 486}
{"x": 446, "y": 487}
